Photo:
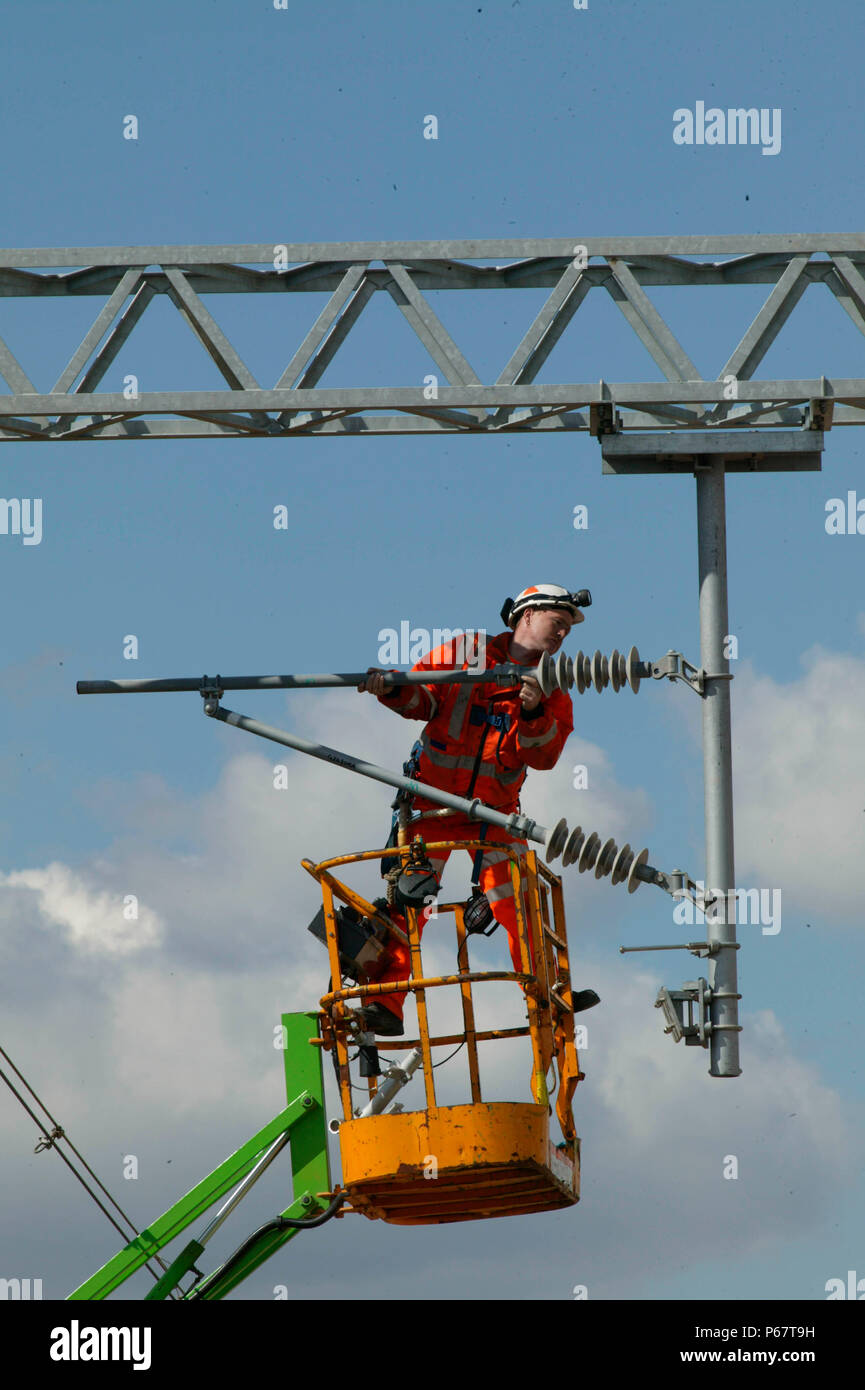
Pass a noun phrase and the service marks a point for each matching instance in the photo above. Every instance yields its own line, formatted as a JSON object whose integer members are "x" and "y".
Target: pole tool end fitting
{"x": 211, "y": 692}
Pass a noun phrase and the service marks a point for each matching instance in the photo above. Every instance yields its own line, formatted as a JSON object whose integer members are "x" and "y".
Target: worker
{"x": 479, "y": 741}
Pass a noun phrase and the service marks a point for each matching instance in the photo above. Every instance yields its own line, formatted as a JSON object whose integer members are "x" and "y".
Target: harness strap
{"x": 477, "y": 862}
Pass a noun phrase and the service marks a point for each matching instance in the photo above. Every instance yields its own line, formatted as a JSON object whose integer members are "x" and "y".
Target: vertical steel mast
{"x": 717, "y": 765}
{"x": 713, "y": 1004}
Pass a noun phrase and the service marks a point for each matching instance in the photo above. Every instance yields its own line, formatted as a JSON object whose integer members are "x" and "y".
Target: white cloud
{"x": 91, "y": 919}
{"x": 799, "y": 782}
{"x": 191, "y": 1042}
{"x": 184, "y": 1046}
{"x": 606, "y": 806}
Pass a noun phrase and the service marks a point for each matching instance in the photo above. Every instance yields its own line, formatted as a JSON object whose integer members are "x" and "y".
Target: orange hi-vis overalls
{"x": 478, "y": 742}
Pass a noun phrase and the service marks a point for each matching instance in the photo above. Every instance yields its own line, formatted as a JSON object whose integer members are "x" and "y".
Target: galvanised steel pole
{"x": 717, "y": 765}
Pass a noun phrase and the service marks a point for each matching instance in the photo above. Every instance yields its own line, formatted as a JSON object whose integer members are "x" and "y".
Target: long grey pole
{"x": 519, "y": 826}
{"x": 717, "y": 766}
{"x": 504, "y": 674}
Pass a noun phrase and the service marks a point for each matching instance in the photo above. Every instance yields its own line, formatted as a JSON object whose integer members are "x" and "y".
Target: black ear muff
{"x": 507, "y": 609}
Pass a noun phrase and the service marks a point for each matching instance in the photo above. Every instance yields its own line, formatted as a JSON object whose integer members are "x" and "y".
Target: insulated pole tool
{"x": 552, "y": 673}
{"x": 587, "y": 851}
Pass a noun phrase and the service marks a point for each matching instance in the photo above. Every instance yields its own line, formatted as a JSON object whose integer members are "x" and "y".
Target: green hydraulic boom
{"x": 301, "y": 1126}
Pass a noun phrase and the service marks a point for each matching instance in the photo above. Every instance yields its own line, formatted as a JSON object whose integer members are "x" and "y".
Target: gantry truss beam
{"x": 452, "y": 399}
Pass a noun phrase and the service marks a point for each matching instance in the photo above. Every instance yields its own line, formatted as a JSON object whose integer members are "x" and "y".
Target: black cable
{"x": 50, "y": 1142}
{"x": 59, "y": 1134}
{"x": 279, "y": 1223}
{"x": 447, "y": 1059}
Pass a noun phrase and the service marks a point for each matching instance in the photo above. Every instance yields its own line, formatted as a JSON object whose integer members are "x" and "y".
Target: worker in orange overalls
{"x": 479, "y": 741}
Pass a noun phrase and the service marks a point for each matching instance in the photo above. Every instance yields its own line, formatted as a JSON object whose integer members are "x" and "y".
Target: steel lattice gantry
{"x": 660, "y": 426}
{"x": 350, "y": 273}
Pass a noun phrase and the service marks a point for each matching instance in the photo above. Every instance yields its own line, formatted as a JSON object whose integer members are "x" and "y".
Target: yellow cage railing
{"x": 490, "y": 1159}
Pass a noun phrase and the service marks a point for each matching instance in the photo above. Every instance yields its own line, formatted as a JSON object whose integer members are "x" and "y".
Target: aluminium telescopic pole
{"x": 520, "y": 826}
{"x": 503, "y": 674}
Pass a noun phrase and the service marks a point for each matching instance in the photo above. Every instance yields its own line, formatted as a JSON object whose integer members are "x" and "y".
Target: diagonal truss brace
{"x": 349, "y": 274}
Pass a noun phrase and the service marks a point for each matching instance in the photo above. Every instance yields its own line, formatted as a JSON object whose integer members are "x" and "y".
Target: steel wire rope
{"x": 51, "y": 1142}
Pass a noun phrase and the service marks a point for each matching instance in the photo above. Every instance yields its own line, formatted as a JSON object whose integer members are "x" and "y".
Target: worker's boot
{"x": 375, "y": 1018}
{"x": 585, "y": 999}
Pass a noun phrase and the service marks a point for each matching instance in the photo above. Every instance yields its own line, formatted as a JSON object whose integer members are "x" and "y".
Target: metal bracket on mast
{"x": 694, "y": 993}
{"x": 675, "y": 667}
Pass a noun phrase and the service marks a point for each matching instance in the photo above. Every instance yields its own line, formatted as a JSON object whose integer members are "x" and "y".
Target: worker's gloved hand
{"x": 376, "y": 683}
{"x": 530, "y": 693}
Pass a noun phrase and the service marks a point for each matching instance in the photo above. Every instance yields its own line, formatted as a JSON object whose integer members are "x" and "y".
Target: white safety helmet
{"x": 545, "y": 596}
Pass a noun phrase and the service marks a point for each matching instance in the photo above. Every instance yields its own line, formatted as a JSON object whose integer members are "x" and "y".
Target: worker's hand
{"x": 376, "y": 682}
{"x": 530, "y": 693}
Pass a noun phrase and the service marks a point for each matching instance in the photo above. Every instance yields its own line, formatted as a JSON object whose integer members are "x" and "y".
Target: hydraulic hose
{"x": 278, "y": 1223}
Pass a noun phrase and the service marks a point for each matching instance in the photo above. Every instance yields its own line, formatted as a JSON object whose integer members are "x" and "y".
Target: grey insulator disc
{"x": 564, "y": 672}
{"x": 633, "y": 881}
{"x": 615, "y": 674}
{"x": 605, "y": 859}
{"x": 633, "y": 663}
{"x": 546, "y": 674}
{"x": 600, "y": 676}
{"x": 589, "y": 852}
{"x": 622, "y": 864}
{"x": 579, "y": 672}
{"x": 555, "y": 841}
{"x": 572, "y": 849}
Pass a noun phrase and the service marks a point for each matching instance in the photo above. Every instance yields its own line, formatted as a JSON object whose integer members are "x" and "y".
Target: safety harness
{"x": 478, "y": 915}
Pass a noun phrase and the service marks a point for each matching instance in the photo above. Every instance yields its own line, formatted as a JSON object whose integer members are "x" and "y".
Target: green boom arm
{"x": 302, "y": 1120}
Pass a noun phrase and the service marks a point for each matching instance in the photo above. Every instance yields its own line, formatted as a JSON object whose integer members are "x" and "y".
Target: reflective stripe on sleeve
{"x": 540, "y": 740}
{"x": 458, "y": 762}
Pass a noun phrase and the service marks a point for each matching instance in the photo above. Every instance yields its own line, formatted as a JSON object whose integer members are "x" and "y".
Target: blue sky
{"x": 259, "y": 125}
